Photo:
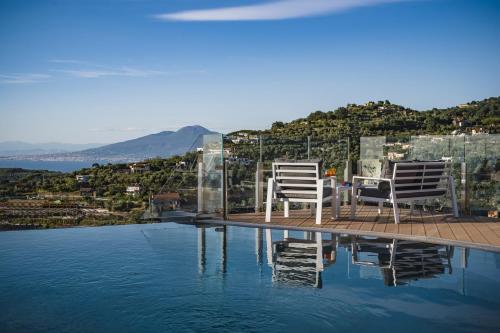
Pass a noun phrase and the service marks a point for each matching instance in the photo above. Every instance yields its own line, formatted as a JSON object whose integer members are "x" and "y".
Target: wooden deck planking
{"x": 460, "y": 233}
{"x": 445, "y": 231}
{"x": 420, "y": 225}
{"x": 474, "y": 234}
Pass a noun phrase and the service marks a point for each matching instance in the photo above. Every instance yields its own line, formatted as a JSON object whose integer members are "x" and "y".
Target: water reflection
{"x": 202, "y": 247}
{"x": 299, "y": 258}
{"x": 402, "y": 261}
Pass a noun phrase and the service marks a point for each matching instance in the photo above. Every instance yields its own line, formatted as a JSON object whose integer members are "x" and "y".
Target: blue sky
{"x": 104, "y": 71}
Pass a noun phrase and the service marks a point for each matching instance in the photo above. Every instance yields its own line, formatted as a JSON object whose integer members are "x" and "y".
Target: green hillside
{"x": 378, "y": 119}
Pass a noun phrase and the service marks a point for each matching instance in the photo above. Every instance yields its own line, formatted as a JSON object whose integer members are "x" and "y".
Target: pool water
{"x": 184, "y": 278}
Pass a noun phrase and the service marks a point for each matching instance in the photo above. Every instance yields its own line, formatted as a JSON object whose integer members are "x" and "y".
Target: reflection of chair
{"x": 403, "y": 261}
{"x": 409, "y": 182}
{"x": 299, "y": 261}
{"x": 298, "y": 181}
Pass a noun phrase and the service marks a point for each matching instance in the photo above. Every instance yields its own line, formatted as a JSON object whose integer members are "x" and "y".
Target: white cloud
{"x": 275, "y": 10}
{"x": 124, "y": 129}
{"x": 126, "y": 71}
{"x": 87, "y": 70}
{"x": 20, "y": 78}
{"x": 69, "y": 61}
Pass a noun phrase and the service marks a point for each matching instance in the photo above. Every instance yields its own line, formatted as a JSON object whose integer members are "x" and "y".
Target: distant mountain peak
{"x": 161, "y": 144}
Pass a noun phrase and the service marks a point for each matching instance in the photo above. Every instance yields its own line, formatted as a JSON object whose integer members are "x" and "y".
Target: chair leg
{"x": 319, "y": 211}
{"x": 287, "y": 208}
{"x": 353, "y": 202}
{"x": 411, "y": 207}
{"x": 396, "y": 212}
{"x": 335, "y": 213}
{"x": 394, "y": 202}
{"x": 269, "y": 199}
{"x": 313, "y": 208}
{"x": 319, "y": 197}
{"x": 453, "y": 196}
{"x": 380, "y": 207}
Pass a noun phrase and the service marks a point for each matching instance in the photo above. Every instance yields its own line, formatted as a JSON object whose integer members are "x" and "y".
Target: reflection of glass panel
{"x": 430, "y": 147}
{"x": 371, "y": 168}
{"x": 480, "y": 152}
{"x": 397, "y": 148}
{"x": 372, "y": 148}
{"x": 482, "y": 157}
{"x": 213, "y": 159}
{"x": 371, "y": 152}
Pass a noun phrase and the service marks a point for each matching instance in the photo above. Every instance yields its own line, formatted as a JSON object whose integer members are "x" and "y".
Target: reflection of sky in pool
{"x": 173, "y": 277}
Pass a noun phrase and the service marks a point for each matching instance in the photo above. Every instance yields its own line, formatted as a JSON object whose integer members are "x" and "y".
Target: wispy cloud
{"x": 69, "y": 61}
{"x": 20, "y": 78}
{"x": 126, "y": 71}
{"x": 124, "y": 129}
{"x": 275, "y": 10}
{"x": 88, "y": 70}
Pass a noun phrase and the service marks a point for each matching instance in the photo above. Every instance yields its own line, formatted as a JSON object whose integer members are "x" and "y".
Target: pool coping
{"x": 425, "y": 239}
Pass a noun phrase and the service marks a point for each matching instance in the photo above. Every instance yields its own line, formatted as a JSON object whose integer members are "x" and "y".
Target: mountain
{"x": 163, "y": 144}
{"x": 17, "y": 148}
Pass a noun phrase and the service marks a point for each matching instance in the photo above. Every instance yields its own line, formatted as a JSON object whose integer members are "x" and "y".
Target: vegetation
{"x": 288, "y": 140}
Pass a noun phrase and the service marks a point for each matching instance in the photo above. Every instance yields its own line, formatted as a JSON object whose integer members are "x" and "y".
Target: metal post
{"x": 200, "y": 188}
{"x": 464, "y": 200}
{"x": 224, "y": 189}
{"x": 348, "y": 148}
{"x": 308, "y": 147}
{"x": 259, "y": 187}
{"x": 260, "y": 148}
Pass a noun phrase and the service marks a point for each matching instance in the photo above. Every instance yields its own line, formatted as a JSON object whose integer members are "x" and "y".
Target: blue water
{"x": 179, "y": 278}
{"x": 63, "y": 166}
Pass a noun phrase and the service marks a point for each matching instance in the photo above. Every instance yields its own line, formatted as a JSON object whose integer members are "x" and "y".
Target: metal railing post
{"x": 200, "y": 188}
{"x": 260, "y": 148}
{"x": 259, "y": 187}
{"x": 464, "y": 193}
{"x": 308, "y": 147}
{"x": 224, "y": 189}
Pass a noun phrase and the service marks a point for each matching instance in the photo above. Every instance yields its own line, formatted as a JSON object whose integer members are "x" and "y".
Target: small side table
{"x": 336, "y": 195}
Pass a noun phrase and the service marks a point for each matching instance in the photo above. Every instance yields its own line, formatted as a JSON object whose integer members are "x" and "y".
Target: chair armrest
{"x": 329, "y": 181}
{"x": 371, "y": 178}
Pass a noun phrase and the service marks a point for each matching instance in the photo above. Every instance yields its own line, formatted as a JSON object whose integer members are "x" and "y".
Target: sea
{"x": 62, "y": 166}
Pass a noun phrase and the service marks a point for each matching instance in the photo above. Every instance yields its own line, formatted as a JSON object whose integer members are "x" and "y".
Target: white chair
{"x": 299, "y": 181}
{"x": 409, "y": 182}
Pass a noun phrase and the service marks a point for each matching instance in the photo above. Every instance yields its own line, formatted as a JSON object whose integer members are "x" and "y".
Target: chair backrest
{"x": 297, "y": 179}
{"x": 420, "y": 179}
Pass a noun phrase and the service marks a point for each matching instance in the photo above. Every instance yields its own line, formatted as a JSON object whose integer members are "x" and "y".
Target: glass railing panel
{"x": 482, "y": 156}
{"x": 212, "y": 183}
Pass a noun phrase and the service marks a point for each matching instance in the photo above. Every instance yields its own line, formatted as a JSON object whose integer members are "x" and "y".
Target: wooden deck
{"x": 470, "y": 231}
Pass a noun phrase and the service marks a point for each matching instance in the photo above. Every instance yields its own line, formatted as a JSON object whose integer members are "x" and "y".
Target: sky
{"x": 109, "y": 70}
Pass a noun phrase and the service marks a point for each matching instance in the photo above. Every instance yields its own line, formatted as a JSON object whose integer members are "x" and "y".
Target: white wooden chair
{"x": 299, "y": 181}
{"x": 409, "y": 182}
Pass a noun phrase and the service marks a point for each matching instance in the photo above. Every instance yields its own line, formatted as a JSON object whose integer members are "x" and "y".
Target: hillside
{"x": 373, "y": 119}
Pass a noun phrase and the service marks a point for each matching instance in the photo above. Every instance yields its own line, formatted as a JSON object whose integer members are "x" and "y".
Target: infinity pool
{"x": 184, "y": 278}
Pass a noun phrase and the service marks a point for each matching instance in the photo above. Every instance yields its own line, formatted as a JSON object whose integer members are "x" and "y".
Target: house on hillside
{"x": 133, "y": 190}
{"x": 240, "y": 160}
{"x": 166, "y": 201}
{"x": 394, "y": 156}
{"x": 181, "y": 165}
{"x": 139, "y": 167}
{"x": 122, "y": 171}
{"x": 82, "y": 178}
{"x": 87, "y": 192}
